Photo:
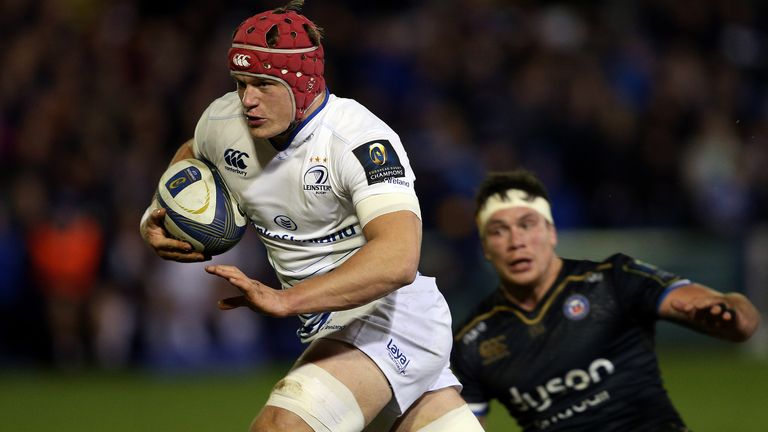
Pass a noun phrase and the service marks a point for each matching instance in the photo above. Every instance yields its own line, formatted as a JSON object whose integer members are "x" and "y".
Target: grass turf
{"x": 714, "y": 391}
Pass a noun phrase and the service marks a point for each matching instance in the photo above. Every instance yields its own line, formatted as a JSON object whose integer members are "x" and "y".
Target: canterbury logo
{"x": 241, "y": 60}
{"x": 234, "y": 158}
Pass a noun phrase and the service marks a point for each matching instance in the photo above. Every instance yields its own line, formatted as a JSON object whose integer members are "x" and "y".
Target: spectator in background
{"x": 65, "y": 254}
{"x": 12, "y": 273}
{"x": 11, "y": 258}
{"x": 184, "y": 331}
{"x": 714, "y": 173}
{"x": 568, "y": 345}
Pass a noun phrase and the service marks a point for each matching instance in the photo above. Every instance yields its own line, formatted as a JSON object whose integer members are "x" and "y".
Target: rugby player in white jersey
{"x": 330, "y": 191}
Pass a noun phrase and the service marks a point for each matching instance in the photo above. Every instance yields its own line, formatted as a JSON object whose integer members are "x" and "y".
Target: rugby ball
{"x": 199, "y": 207}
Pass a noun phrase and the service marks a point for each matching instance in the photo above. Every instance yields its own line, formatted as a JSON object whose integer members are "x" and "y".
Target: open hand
{"x": 257, "y": 296}
{"x": 711, "y": 314}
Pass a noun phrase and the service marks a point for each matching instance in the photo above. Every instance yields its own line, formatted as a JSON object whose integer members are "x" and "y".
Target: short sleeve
{"x": 374, "y": 167}
{"x": 201, "y": 136}
{"x": 641, "y": 286}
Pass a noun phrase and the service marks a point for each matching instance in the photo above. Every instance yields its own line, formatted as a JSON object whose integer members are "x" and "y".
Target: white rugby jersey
{"x": 302, "y": 200}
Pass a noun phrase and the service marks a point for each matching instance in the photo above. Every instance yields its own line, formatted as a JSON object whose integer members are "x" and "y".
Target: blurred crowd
{"x": 635, "y": 114}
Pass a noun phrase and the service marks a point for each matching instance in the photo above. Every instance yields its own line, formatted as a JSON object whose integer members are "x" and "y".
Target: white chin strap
{"x": 512, "y": 198}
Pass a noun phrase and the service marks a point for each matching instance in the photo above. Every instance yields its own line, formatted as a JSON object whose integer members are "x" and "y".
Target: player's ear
{"x": 485, "y": 250}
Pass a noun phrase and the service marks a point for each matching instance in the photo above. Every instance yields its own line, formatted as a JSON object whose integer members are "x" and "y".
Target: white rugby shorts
{"x": 407, "y": 334}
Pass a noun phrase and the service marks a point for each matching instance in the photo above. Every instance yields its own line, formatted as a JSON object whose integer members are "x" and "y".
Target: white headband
{"x": 512, "y": 198}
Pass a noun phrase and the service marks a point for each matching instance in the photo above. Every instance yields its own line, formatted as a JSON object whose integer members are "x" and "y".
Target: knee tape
{"x": 460, "y": 419}
{"x": 321, "y": 400}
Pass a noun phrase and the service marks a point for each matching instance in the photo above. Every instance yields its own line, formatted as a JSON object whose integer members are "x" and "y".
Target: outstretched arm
{"x": 388, "y": 261}
{"x": 729, "y": 316}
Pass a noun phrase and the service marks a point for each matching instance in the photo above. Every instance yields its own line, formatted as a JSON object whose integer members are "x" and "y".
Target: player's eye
{"x": 496, "y": 230}
{"x": 527, "y": 223}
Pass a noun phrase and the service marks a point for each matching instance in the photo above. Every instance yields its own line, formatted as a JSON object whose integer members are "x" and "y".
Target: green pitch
{"x": 713, "y": 391}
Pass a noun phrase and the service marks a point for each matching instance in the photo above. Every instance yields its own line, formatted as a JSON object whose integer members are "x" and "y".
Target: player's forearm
{"x": 370, "y": 274}
{"x": 380, "y": 267}
{"x": 183, "y": 152}
{"x": 746, "y": 315}
{"x": 728, "y": 316}
{"x": 742, "y": 323}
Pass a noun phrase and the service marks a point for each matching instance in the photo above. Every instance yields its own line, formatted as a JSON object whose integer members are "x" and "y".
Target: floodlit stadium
{"x": 646, "y": 119}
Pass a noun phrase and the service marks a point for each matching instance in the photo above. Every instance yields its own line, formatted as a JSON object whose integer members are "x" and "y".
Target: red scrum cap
{"x": 284, "y": 45}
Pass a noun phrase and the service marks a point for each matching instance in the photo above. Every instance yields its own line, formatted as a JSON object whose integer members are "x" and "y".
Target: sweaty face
{"x": 266, "y": 103}
{"x": 520, "y": 244}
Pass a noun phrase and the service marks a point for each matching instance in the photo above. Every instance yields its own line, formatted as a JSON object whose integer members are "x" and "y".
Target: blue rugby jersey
{"x": 582, "y": 360}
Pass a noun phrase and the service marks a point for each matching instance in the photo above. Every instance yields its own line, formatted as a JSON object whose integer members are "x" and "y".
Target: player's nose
{"x": 515, "y": 239}
{"x": 251, "y": 96}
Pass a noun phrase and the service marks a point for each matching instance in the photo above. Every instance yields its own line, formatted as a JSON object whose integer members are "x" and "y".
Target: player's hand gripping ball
{"x": 200, "y": 208}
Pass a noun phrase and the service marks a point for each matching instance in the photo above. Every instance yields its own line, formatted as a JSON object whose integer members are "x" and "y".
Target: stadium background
{"x": 646, "y": 119}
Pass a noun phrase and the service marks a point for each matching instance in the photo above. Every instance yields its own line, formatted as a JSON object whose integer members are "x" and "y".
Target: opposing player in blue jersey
{"x": 567, "y": 345}
{"x": 329, "y": 188}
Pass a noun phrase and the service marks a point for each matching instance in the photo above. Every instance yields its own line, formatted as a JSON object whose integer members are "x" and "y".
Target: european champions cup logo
{"x": 377, "y": 153}
{"x": 380, "y": 162}
{"x": 176, "y": 183}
